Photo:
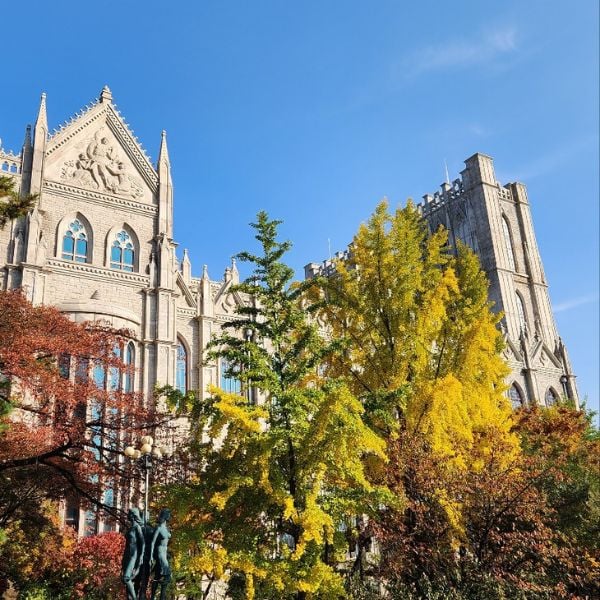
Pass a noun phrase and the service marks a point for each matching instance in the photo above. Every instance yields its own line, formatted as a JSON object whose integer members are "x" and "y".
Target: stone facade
{"x": 99, "y": 245}
{"x": 495, "y": 221}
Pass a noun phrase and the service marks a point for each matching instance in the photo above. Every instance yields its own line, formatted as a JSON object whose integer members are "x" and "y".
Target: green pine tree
{"x": 12, "y": 204}
{"x": 280, "y": 478}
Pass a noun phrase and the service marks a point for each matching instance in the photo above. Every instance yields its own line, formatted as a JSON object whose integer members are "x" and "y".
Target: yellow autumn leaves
{"x": 409, "y": 346}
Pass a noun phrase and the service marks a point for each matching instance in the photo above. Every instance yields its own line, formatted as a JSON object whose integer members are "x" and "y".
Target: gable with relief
{"x": 95, "y": 156}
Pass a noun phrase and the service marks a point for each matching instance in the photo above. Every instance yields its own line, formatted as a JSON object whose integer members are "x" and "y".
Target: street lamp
{"x": 564, "y": 379}
{"x": 249, "y": 337}
{"x": 145, "y": 456}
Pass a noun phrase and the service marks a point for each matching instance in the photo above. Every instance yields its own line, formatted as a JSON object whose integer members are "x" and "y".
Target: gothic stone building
{"x": 495, "y": 221}
{"x": 99, "y": 245}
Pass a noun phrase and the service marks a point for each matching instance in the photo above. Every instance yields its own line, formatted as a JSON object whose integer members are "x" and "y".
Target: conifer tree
{"x": 12, "y": 204}
{"x": 281, "y": 462}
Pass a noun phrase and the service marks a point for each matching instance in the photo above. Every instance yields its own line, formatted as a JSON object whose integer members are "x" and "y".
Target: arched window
{"x": 551, "y": 397}
{"x": 181, "y": 383}
{"x": 521, "y": 313}
{"x": 122, "y": 252}
{"x": 75, "y": 243}
{"x": 508, "y": 243}
{"x": 516, "y": 397}
{"x": 129, "y": 360}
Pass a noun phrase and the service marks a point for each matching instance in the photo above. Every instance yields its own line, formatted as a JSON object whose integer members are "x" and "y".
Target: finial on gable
{"x": 235, "y": 275}
{"x": 163, "y": 153}
{"x": 186, "y": 267}
{"x": 42, "y": 117}
{"x": 106, "y": 94}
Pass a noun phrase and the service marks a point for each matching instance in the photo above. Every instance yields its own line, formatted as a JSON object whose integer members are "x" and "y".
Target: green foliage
{"x": 277, "y": 478}
{"x": 13, "y": 204}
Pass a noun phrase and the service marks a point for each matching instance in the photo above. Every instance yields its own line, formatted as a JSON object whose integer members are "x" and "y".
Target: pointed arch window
{"x": 122, "y": 252}
{"x": 181, "y": 370}
{"x": 551, "y": 397}
{"x": 508, "y": 243}
{"x": 521, "y": 313}
{"x": 75, "y": 242}
{"x": 516, "y": 397}
{"x": 129, "y": 360}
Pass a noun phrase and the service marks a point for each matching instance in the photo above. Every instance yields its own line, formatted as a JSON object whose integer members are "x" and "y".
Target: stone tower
{"x": 495, "y": 221}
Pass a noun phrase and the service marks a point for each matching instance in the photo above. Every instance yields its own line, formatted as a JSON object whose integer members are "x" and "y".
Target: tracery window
{"x": 508, "y": 243}
{"x": 551, "y": 397}
{"x": 516, "y": 398}
{"x": 181, "y": 368}
{"x": 75, "y": 243}
{"x": 122, "y": 252}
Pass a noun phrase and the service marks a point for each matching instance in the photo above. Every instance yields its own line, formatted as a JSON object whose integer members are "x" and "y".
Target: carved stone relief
{"x": 100, "y": 167}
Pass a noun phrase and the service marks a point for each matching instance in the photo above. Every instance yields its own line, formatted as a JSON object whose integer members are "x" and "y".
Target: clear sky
{"x": 314, "y": 111}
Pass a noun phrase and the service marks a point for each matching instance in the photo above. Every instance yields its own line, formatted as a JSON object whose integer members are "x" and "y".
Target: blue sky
{"x": 314, "y": 111}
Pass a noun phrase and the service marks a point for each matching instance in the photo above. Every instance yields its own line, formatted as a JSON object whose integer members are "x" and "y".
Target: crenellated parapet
{"x": 327, "y": 267}
{"x": 447, "y": 193}
{"x": 10, "y": 163}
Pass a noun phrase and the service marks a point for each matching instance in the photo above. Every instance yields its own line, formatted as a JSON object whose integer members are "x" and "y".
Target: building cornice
{"x": 74, "y": 193}
{"x": 98, "y": 273}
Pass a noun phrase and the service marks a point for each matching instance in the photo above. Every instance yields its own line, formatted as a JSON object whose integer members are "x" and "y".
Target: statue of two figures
{"x": 145, "y": 550}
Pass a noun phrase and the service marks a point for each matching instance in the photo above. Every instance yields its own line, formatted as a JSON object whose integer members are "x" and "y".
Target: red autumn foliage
{"x": 97, "y": 566}
{"x": 63, "y": 432}
{"x": 525, "y": 529}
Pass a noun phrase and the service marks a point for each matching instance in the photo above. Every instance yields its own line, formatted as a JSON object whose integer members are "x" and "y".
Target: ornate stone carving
{"x": 100, "y": 167}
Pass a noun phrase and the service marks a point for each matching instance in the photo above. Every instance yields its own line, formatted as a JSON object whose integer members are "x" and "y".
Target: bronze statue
{"x": 143, "y": 577}
{"x": 134, "y": 552}
{"x": 160, "y": 540}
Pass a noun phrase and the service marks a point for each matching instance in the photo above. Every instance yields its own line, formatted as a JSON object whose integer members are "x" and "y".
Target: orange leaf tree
{"x": 65, "y": 416}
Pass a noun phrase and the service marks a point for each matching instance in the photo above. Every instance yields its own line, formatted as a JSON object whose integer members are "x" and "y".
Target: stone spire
{"x": 27, "y": 140}
{"x": 163, "y": 153}
{"x": 235, "y": 274}
{"x": 26, "y": 158}
{"x": 40, "y": 137}
{"x": 105, "y": 94}
{"x": 206, "y": 305}
{"x": 42, "y": 117}
{"x": 165, "y": 189}
{"x": 186, "y": 267}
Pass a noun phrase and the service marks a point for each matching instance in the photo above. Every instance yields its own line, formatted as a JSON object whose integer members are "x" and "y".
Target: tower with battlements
{"x": 495, "y": 221}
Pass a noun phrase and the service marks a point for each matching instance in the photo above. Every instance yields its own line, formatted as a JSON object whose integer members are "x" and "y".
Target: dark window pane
{"x": 64, "y": 366}
{"x": 72, "y": 514}
{"x": 90, "y": 523}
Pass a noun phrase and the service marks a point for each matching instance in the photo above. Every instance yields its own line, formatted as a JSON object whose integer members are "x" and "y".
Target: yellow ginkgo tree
{"x": 422, "y": 351}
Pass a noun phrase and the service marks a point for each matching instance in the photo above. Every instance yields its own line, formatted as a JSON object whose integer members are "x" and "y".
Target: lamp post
{"x": 145, "y": 456}
{"x": 564, "y": 379}
{"x": 249, "y": 336}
